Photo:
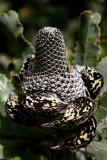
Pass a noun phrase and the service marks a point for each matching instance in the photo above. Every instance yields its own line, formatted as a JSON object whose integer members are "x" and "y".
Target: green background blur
{"x": 63, "y": 14}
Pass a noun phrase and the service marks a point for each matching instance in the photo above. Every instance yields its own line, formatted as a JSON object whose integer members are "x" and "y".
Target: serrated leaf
{"x": 98, "y": 149}
{"x": 102, "y": 67}
{"x": 87, "y": 49}
{"x": 12, "y": 27}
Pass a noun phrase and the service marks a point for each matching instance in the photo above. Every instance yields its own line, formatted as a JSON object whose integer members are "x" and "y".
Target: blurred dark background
{"x": 63, "y": 14}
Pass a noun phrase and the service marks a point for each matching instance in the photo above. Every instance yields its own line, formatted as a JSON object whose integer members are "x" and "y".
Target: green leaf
{"x": 103, "y": 48}
{"x": 5, "y": 88}
{"x": 12, "y": 27}
{"x": 102, "y": 126}
{"x": 98, "y": 149}
{"x": 4, "y": 61}
{"x": 87, "y": 49}
{"x": 17, "y": 62}
{"x": 103, "y": 101}
{"x": 101, "y": 111}
{"x": 102, "y": 67}
{"x": 1, "y": 152}
{"x": 2, "y": 110}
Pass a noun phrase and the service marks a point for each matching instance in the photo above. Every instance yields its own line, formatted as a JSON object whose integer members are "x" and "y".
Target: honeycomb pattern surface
{"x": 49, "y": 73}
